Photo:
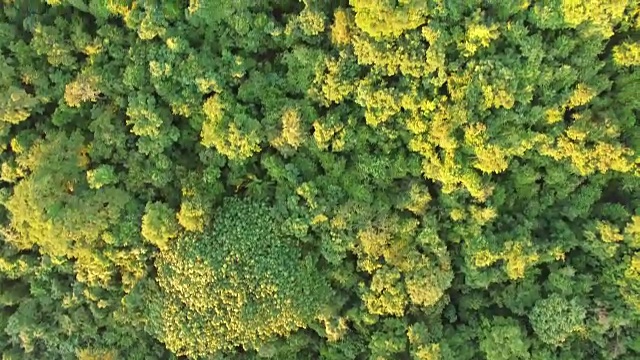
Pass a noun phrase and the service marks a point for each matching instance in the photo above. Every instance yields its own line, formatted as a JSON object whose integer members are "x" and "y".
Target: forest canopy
{"x": 316, "y": 179}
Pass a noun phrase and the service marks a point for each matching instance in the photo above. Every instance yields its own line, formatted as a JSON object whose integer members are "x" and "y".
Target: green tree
{"x": 504, "y": 338}
{"x": 554, "y": 319}
{"x": 159, "y": 224}
{"x": 238, "y": 284}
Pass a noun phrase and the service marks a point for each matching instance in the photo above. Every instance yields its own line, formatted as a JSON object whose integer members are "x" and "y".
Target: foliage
{"x": 304, "y": 179}
{"x": 159, "y": 224}
{"x": 239, "y": 283}
{"x": 554, "y": 319}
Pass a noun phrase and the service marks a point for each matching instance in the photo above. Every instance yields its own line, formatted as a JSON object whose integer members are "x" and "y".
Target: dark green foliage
{"x": 305, "y": 179}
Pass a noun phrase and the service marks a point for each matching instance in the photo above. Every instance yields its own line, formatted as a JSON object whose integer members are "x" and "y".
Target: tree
{"x": 16, "y": 105}
{"x": 554, "y": 319}
{"x": 83, "y": 89}
{"x": 103, "y": 175}
{"x": 379, "y": 19}
{"x": 159, "y": 224}
{"x": 53, "y": 206}
{"x": 230, "y": 129}
{"x": 504, "y": 338}
{"x": 410, "y": 179}
{"x": 237, "y": 284}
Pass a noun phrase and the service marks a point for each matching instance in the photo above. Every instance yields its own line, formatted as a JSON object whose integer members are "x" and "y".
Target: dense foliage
{"x": 353, "y": 179}
{"x": 241, "y": 284}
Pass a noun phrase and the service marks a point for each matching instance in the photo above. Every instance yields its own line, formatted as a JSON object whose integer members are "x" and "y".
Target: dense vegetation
{"x": 315, "y": 179}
